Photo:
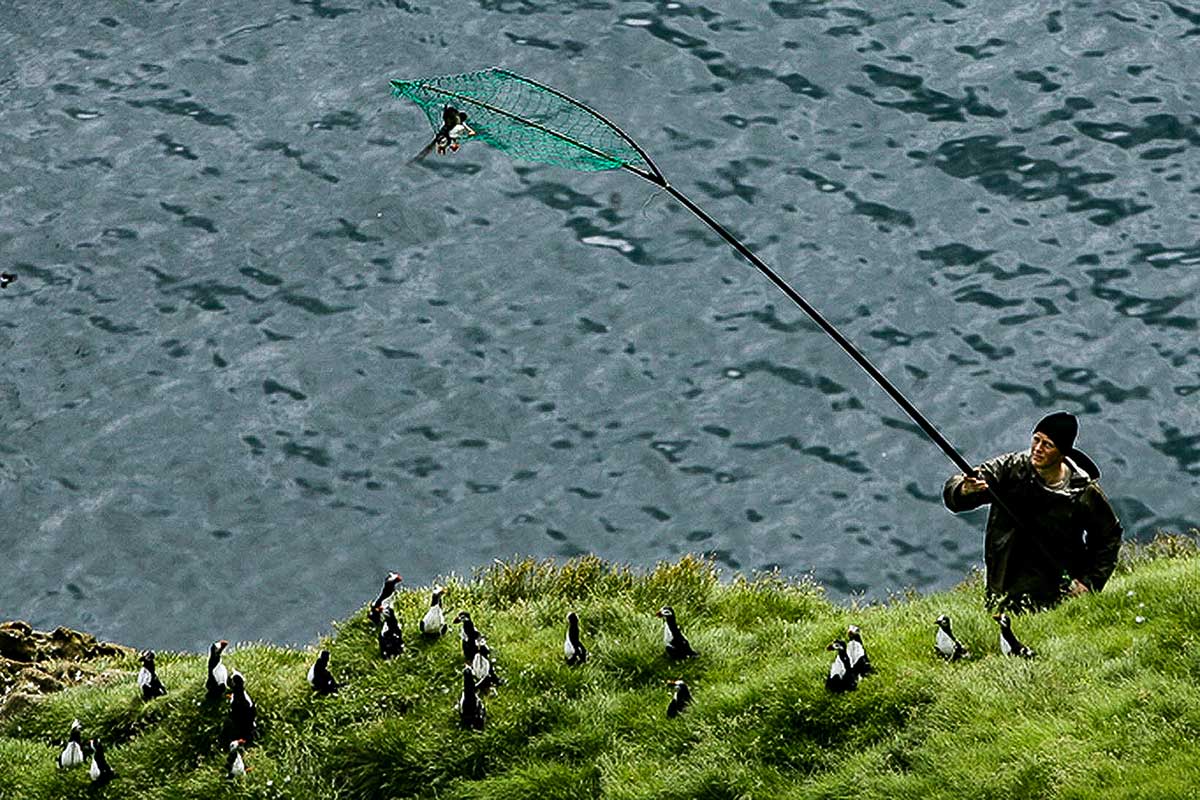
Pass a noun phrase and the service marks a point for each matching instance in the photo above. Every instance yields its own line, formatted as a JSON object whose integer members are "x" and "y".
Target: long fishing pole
{"x": 655, "y": 176}
{"x": 489, "y": 82}
{"x": 829, "y": 328}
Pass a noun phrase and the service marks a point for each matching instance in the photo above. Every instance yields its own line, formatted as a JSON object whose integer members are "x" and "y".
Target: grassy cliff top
{"x": 1110, "y": 707}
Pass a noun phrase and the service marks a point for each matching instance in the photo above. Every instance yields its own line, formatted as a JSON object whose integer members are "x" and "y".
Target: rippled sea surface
{"x": 252, "y": 360}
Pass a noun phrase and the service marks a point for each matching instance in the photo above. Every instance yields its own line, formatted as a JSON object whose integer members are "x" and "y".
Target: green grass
{"x": 1110, "y": 708}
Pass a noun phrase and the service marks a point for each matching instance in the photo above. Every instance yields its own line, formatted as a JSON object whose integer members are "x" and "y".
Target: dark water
{"x": 252, "y": 361}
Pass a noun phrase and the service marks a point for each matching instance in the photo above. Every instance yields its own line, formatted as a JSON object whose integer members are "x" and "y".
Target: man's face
{"x": 1042, "y": 451}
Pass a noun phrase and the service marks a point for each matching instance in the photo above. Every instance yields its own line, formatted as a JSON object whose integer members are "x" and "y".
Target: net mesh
{"x": 525, "y": 120}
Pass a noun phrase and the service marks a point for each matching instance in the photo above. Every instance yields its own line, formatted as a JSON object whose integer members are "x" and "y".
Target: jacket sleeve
{"x": 1103, "y": 541}
{"x": 996, "y": 471}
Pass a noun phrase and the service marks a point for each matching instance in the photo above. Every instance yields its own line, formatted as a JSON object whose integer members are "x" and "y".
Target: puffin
{"x": 470, "y": 708}
{"x": 234, "y": 766}
{"x": 680, "y": 700}
{"x": 434, "y": 621}
{"x": 100, "y": 772}
{"x": 859, "y": 662}
{"x": 242, "y": 713}
{"x": 842, "y": 677}
{"x": 470, "y": 635}
{"x": 483, "y": 667}
{"x": 1008, "y": 642}
{"x": 147, "y": 679}
{"x": 391, "y": 638}
{"x": 676, "y": 643}
{"x": 375, "y": 615}
{"x": 319, "y": 676}
{"x": 6, "y": 279}
{"x": 454, "y": 127}
{"x": 573, "y": 649}
{"x": 218, "y": 676}
{"x": 72, "y": 754}
{"x": 944, "y": 642}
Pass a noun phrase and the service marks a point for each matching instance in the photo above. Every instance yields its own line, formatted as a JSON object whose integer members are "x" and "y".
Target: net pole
{"x": 653, "y": 175}
{"x": 828, "y": 327}
{"x": 831, "y": 330}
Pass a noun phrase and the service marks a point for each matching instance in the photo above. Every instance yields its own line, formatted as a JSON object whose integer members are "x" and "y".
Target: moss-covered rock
{"x": 34, "y": 663}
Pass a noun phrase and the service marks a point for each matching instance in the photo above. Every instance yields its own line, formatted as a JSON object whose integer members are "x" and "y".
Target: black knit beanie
{"x": 1061, "y": 427}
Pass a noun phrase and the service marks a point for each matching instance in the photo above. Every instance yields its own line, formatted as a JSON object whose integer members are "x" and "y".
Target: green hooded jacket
{"x": 1064, "y": 533}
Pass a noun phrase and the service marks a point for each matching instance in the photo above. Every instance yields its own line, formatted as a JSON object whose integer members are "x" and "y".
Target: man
{"x": 1053, "y": 534}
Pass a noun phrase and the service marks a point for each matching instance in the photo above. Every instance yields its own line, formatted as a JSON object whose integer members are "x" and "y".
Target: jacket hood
{"x": 1085, "y": 464}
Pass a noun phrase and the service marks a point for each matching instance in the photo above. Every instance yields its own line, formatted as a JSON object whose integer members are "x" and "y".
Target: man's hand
{"x": 972, "y": 485}
{"x": 1076, "y": 588}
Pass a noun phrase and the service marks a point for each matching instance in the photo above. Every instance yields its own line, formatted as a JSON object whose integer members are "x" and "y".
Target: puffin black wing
{"x": 319, "y": 676}
{"x": 860, "y": 662}
{"x": 680, "y": 700}
{"x": 218, "y": 674}
{"x": 391, "y": 637}
{"x": 153, "y": 688}
{"x": 944, "y": 643}
{"x": 573, "y": 649}
{"x": 148, "y": 680}
{"x": 426, "y": 150}
{"x": 471, "y": 712}
{"x": 675, "y": 643}
{"x": 243, "y": 716}
{"x": 100, "y": 772}
{"x": 470, "y": 635}
{"x": 842, "y": 677}
{"x": 375, "y": 613}
{"x": 1009, "y": 644}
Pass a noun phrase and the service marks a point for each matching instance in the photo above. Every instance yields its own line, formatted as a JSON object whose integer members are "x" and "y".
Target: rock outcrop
{"x": 34, "y": 663}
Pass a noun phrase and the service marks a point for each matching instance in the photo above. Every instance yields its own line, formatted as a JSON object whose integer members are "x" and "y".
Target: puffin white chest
{"x": 144, "y": 678}
{"x": 238, "y": 767}
{"x": 945, "y": 644}
{"x": 854, "y": 651}
{"x": 72, "y": 755}
{"x": 434, "y": 619}
{"x": 668, "y": 637}
{"x": 220, "y": 674}
{"x": 837, "y": 670}
{"x": 568, "y": 648}
{"x": 1005, "y": 646}
{"x": 94, "y": 770}
{"x": 480, "y": 666}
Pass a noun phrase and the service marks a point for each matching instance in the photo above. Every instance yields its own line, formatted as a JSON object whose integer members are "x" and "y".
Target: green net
{"x": 525, "y": 119}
